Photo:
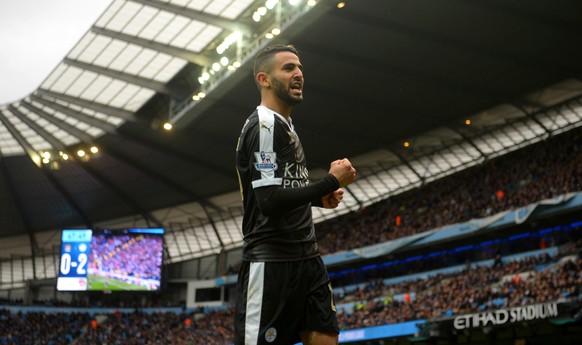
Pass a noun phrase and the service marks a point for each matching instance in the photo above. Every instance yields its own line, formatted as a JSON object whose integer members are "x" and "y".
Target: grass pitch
{"x": 96, "y": 282}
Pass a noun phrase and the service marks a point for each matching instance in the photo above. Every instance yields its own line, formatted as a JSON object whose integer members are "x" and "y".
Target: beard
{"x": 284, "y": 93}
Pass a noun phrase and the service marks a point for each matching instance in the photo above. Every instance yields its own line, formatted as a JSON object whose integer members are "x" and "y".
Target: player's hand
{"x": 333, "y": 200}
{"x": 343, "y": 170}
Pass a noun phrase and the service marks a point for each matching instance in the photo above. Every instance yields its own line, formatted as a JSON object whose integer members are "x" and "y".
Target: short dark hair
{"x": 265, "y": 55}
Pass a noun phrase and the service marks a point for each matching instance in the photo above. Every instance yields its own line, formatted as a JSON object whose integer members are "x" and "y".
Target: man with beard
{"x": 284, "y": 293}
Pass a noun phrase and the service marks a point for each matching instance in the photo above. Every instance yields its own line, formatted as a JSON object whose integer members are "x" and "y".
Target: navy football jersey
{"x": 269, "y": 154}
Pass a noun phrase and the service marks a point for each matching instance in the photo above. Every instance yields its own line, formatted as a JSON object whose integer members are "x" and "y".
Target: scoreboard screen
{"x": 108, "y": 260}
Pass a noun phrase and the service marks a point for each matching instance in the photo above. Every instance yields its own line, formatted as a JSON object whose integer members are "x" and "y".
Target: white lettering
{"x": 531, "y": 312}
{"x": 513, "y": 314}
{"x": 519, "y": 313}
{"x": 289, "y": 183}
{"x": 552, "y": 309}
{"x": 288, "y": 167}
{"x": 478, "y": 318}
{"x": 502, "y": 316}
{"x": 295, "y": 176}
{"x": 541, "y": 312}
{"x": 462, "y": 321}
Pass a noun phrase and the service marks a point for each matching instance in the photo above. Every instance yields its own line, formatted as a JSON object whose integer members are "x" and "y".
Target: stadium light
{"x": 270, "y": 4}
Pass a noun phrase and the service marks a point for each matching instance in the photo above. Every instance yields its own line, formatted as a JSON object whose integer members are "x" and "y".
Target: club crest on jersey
{"x": 266, "y": 161}
{"x": 270, "y": 335}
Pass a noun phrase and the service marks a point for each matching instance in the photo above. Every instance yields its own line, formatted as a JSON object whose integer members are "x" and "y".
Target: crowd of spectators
{"x": 136, "y": 328}
{"x": 160, "y": 328}
{"x": 567, "y": 239}
{"x": 126, "y": 256}
{"x": 41, "y": 328}
{"x": 134, "y": 259}
{"x": 537, "y": 172}
{"x": 475, "y": 289}
{"x": 469, "y": 291}
{"x": 375, "y": 288}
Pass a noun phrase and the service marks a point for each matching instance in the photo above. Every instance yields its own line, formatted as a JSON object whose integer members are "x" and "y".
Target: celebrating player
{"x": 284, "y": 293}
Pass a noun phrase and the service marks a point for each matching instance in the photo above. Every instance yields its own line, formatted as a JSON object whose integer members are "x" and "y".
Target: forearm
{"x": 275, "y": 199}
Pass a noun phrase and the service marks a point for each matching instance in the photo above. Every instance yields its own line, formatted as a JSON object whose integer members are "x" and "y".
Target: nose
{"x": 298, "y": 74}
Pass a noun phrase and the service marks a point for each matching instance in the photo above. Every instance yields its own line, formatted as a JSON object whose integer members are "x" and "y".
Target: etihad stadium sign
{"x": 505, "y": 316}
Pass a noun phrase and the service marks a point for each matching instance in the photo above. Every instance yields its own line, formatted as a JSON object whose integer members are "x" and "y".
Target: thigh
{"x": 270, "y": 304}
{"x": 320, "y": 310}
{"x": 319, "y": 338}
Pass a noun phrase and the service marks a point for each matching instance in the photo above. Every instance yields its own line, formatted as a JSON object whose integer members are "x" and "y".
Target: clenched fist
{"x": 343, "y": 170}
{"x": 333, "y": 200}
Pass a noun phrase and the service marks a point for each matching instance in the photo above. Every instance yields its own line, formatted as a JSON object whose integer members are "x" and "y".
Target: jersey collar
{"x": 288, "y": 123}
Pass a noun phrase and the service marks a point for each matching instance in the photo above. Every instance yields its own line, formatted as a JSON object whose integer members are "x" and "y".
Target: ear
{"x": 263, "y": 80}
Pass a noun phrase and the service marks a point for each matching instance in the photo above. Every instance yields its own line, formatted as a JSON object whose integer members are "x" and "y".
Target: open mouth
{"x": 296, "y": 88}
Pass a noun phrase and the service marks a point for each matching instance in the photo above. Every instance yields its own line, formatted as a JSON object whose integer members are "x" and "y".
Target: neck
{"x": 277, "y": 105}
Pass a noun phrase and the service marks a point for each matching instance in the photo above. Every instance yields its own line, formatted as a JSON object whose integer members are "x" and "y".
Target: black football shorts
{"x": 277, "y": 300}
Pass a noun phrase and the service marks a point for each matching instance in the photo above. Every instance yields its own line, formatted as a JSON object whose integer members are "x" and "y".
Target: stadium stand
{"x": 516, "y": 282}
{"x": 540, "y": 171}
{"x": 532, "y": 270}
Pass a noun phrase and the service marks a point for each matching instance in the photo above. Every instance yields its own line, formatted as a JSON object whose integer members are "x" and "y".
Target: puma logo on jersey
{"x": 268, "y": 128}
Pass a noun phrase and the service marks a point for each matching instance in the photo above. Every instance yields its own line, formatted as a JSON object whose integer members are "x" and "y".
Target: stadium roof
{"x": 378, "y": 74}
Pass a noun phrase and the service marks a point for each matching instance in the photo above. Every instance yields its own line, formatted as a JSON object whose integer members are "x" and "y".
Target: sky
{"x": 35, "y": 35}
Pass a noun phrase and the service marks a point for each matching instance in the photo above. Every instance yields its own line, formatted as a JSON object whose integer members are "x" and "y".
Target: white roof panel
{"x": 110, "y": 91}
{"x": 95, "y": 132}
{"x": 125, "y": 59}
{"x": 106, "y": 56}
{"x": 122, "y": 16}
{"x": 141, "y": 20}
{"x": 73, "y": 81}
{"x": 98, "y": 84}
{"x": 83, "y": 44}
{"x": 54, "y": 77}
{"x": 82, "y": 126}
{"x": 216, "y": 6}
{"x": 98, "y": 45}
{"x": 236, "y": 8}
{"x": 206, "y": 36}
{"x": 132, "y": 98}
{"x": 141, "y": 60}
{"x": 35, "y": 140}
{"x": 152, "y": 30}
{"x": 8, "y": 144}
{"x": 108, "y": 15}
{"x": 198, "y": 5}
{"x": 184, "y": 37}
{"x": 155, "y": 65}
{"x": 167, "y": 73}
{"x": 174, "y": 27}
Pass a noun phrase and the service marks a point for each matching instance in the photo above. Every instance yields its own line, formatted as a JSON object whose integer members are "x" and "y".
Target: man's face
{"x": 287, "y": 78}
